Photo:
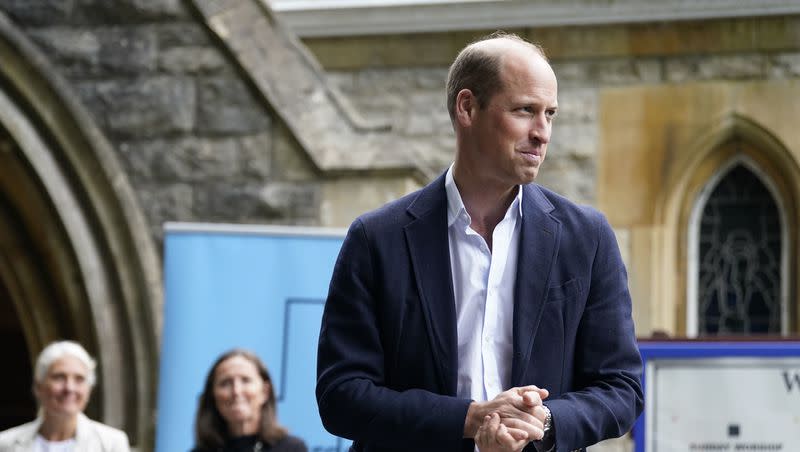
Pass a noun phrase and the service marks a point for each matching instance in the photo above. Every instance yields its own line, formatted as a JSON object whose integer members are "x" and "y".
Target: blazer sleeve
{"x": 608, "y": 365}
{"x": 354, "y": 400}
{"x": 112, "y": 439}
{"x": 120, "y": 443}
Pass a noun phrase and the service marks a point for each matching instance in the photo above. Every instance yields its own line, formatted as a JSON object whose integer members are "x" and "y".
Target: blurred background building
{"x": 678, "y": 119}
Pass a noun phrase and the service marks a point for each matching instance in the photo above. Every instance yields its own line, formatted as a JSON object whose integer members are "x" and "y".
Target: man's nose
{"x": 540, "y": 129}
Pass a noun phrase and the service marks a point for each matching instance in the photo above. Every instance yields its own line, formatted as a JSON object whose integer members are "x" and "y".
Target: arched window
{"x": 737, "y": 258}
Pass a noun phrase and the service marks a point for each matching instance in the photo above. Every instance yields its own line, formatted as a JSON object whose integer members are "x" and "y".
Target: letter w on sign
{"x": 792, "y": 380}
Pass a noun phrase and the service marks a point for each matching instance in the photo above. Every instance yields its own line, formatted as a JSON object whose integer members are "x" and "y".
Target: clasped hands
{"x": 509, "y": 421}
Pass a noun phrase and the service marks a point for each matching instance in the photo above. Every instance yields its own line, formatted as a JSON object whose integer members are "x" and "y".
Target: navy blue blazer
{"x": 388, "y": 359}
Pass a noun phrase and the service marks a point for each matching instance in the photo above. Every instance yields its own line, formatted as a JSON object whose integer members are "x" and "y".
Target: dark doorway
{"x": 17, "y": 404}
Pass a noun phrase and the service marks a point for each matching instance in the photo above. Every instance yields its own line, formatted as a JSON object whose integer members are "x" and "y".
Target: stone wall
{"x": 198, "y": 142}
{"x": 413, "y": 101}
{"x": 411, "y": 97}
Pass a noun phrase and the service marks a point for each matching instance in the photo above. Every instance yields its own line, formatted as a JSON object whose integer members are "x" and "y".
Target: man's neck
{"x": 485, "y": 204}
{"x": 58, "y": 428}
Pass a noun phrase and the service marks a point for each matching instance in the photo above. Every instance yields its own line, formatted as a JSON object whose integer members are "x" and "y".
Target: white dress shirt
{"x": 483, "y": 285}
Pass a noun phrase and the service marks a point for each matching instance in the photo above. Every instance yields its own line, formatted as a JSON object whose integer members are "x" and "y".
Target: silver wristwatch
{"x": 548, "y": 421}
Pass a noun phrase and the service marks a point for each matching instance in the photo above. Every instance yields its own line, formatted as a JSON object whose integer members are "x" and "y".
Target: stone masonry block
{"x": 716, "y": 67}
{"x": 624, "y": 71}
{"x": 180, "y": 34}
{"x": 785, "y": 65}
{"x": 381, "y": 81}
{"x": 233, "y": 202}
{"x": 128, "y": 11}
{"x": 35, "y": 13}
{"x": 256, "y": 155}
{"x": 292, "y": 200}
{"x": 289, "y": 161}
{"x": 433, "y": 79}
{"x": 228, "y": 105}
{"x": 143, "y": 107}
{"x": 571, "y": 72}
{"x": 574, "y": 140}
{"x": 576, "y": 105}
{"x": 96, "y": 52}
{"x": 163, "y": 203}
{"x": 188, "y": 159}
{"x": 427, "y": 113}
{"x": 127, "y": 50}
{"x": 345, "y": 82}
{"x": 75, "y": 51}
{"x": 191, "y": 60}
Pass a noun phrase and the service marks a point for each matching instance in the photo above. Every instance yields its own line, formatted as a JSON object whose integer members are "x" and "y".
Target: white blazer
{"x": 90, "y": 436}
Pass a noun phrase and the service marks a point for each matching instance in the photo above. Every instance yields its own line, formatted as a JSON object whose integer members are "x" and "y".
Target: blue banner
{"x": 261, "y": 288}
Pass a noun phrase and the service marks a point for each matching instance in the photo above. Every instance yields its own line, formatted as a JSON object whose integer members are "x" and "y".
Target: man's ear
{"x": 466, "y": 103}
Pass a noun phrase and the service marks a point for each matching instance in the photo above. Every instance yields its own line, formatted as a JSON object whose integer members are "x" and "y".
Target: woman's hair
{"x": 211, "y": 430}
{"x": 59, "y": 349}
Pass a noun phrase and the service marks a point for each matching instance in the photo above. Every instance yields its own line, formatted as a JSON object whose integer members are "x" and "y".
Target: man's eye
{"x": 551, "y": 113}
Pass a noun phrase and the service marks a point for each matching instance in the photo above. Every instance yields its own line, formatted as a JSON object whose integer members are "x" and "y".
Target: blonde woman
{"x": 63, "y": 379}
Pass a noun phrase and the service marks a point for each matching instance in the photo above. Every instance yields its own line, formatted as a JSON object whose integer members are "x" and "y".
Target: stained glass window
{"x": 739, "y": 281}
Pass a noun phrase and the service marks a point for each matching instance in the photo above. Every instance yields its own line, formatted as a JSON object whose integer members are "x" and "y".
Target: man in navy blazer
{"x": 482, "y": 310}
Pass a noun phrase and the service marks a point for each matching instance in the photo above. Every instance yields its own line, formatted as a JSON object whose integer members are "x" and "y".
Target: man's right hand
{"x": 492, "y": 436}
{"x": 515, "y": 403}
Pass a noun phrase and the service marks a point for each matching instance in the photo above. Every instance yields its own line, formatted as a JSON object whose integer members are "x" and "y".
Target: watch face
{"x": 548, "y": 419}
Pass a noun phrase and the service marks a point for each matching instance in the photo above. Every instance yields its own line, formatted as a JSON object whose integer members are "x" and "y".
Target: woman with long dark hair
{"x": 237, "y": 411}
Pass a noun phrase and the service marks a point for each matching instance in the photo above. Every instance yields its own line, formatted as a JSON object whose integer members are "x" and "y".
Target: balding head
{"x": 477, "y": 67}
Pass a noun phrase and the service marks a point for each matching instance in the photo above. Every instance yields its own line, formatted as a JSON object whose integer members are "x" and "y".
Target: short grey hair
{"x": 59, "y": 349}
{"x": 478, "y": 70}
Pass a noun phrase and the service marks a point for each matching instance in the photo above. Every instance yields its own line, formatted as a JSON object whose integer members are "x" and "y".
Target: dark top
{"x": 252, "y": 443}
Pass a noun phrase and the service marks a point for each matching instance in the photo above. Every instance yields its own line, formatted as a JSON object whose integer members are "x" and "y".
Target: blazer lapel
{"x": 539, "y": 238}
{"x": 83, "y": 441}
{"x": 25, "y": 440}
{"x": 428, "y": 245}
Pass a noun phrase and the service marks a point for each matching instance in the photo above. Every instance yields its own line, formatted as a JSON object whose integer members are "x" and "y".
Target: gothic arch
{"x": 743, "y": 161}
{"x": 76, "y": 257}
{"x": 733, "y": 138}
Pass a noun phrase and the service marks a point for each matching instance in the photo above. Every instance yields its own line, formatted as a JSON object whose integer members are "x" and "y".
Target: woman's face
{"x": 65, "y": 389}
{"x": 240, "y": 393}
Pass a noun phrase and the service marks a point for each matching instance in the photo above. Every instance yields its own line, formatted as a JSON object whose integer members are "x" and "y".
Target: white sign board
{"x": 723, "y": 404}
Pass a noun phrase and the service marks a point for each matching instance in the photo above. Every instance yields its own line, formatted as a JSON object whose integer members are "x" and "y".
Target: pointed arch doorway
{"x": 16, "y": 399}
{"x": 76, "y": 257}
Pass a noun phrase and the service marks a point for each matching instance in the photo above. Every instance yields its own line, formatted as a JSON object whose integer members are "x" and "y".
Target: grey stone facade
{"x": 201, "y": 144}
{"x": 412, "y": 100}
{"x": 198, "y": 142}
